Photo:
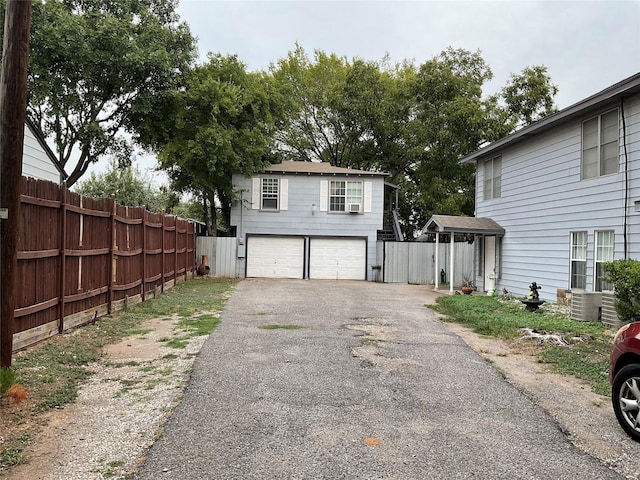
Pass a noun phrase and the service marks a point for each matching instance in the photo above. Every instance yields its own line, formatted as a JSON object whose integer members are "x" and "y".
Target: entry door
{"x": 489, "y": 263}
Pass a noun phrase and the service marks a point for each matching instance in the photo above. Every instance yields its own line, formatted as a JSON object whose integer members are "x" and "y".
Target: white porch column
{"x": 451, "y": 270}
{"x": 437, "y": 274}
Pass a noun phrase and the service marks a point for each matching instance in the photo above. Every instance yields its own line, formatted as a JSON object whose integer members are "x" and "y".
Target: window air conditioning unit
{"x": 354, "y": 208}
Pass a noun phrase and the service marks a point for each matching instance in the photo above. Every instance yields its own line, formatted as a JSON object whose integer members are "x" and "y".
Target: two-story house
{"x": 308, "y": 220}
{"x": 566, "y": 192}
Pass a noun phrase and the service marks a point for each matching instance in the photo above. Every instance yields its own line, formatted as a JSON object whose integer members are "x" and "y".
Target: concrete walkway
{"x": 374, "y": 386}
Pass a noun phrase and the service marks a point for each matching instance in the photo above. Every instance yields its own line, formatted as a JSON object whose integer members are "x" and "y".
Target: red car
{"x": 624, "y": 375}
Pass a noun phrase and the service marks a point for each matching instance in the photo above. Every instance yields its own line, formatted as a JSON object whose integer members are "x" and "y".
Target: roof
{"x": 617, "y": 92}
{"x": 451, "y": 223}
{"x": 318, "y": 168}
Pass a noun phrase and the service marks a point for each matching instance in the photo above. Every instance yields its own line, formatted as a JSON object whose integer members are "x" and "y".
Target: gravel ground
{"x": 123, "y": 409}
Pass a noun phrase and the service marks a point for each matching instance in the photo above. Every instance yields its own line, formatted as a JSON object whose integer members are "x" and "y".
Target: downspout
{"x": 626, "y": 179}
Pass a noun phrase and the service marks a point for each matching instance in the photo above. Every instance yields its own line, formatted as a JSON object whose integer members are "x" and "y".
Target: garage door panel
{"x": 275, "y": 257}
{"x": 337, "y": 259}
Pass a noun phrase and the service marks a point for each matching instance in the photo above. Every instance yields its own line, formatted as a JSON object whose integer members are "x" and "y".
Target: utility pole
{"x": 13, "y": 105}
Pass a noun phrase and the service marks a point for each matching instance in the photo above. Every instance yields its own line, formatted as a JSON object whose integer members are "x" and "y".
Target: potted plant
{"x": 467, "y": 284}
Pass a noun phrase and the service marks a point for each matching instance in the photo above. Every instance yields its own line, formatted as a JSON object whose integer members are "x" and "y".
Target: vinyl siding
{"x": 35, "y": 162}
{"x": 303, "y": 191}
{"x": 543, "y": 200}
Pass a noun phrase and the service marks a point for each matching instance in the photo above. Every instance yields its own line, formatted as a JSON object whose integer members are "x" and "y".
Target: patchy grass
{"x": 53, "y": 370}
{"x": 200, "y": 324}
{"x": 589, "y": 343}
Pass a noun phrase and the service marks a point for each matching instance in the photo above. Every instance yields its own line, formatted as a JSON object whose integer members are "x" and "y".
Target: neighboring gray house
{"x": 566, "y": 191}
{"x": 309, "y": 220}
{"x": 38, "y": 161}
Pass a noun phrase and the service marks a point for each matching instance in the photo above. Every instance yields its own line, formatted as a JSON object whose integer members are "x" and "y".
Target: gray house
{"x": 310, "y": 220}
{"x": 566, "y": 192}
{"x": 38, "y": 161}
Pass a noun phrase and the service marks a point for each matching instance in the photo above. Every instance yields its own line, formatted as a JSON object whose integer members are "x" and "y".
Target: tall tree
{"x": 529, "y": 95}
{"x": 93, "y": 64}
{"x": 222, "y": 123}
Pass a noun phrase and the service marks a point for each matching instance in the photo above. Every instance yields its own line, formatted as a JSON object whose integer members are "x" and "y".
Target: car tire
{"x": 625, "y": 396}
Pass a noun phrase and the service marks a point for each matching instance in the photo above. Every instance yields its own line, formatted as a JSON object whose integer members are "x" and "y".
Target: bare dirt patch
{"x": 119, "y": 411}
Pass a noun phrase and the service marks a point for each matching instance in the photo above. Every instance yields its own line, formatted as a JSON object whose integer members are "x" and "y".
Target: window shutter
{"x": 324, "y": 193}
{"x": 284, "y": 194}
{"x": 367, "y": 197}
{"x": 255, "y": 194}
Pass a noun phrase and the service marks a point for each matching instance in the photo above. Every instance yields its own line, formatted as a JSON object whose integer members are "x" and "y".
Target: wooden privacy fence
{"x": 80, "y": 258}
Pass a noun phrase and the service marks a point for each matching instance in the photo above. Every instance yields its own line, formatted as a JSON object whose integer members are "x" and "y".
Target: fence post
{"x": 144, "y": 254}
{"x": 112, "y": 256}
{"x": 63, "y": 253}
{"x": 175, "y": 252}
{"x": 163, "y": 255}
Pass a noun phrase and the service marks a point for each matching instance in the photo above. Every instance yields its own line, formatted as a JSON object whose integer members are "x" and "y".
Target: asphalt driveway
{"x": 373, "y": 386}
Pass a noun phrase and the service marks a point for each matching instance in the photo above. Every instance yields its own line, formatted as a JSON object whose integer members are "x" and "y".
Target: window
{"x": 600, "y": 150}
{"x": 342, "y": 194}
{"x": 492, "y": 178}
{"x": 269, "y": 200}
{"x": 578, "y": 260}
{"x": 604, "y": 253}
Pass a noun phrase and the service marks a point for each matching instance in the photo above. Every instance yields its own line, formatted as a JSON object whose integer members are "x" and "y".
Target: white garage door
{"x": 275, "y": 257}
{"x": 338, "y": 259}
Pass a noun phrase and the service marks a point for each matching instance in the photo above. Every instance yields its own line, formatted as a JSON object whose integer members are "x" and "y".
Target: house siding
{"x": 299, "y": 219}
{"x": 35, "y": 162}
{"x": 543, "y": 200}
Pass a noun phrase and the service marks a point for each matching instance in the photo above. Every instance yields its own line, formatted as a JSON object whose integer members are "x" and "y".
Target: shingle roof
{"x": 451, "y": 223}
{"x": 317, "y": 168}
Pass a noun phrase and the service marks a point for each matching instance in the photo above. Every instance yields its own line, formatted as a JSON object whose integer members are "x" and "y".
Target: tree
{"x": 414, "y": 122}
{"x": 128, "y": 186}
{"x": 529, "y": 95}
{"x": 95, "y": 66}
{"x": 222, "y": 123}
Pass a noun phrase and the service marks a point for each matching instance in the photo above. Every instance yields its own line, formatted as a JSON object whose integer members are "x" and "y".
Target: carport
{"x": 484, "y": 227}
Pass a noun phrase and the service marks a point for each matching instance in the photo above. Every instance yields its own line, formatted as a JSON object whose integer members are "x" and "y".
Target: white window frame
{"x": 492, "y": 178}
{"x": 605, "y": 244}
{"x": 269, "y": 191}
{"x": 341, "y": 194}
{"x": 604, "y": 149}
{"x": 578, "y": 253}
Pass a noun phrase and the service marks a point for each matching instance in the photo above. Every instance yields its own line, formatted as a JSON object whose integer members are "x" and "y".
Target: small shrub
{"x": 625, "y": 276}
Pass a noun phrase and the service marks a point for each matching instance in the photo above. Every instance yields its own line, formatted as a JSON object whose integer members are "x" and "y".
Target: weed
{"x": 169, "y": 356}
{"x": 370, "y": 341}
{"x": 7, "y": 379}
{"x": 199, "y": 325}
{"x": 11, "y": 451}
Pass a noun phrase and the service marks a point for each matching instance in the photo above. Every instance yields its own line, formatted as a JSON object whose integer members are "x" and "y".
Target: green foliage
{"x": 11, "y": 450}
{"x": 625, "y": 276}
{"x": 586, "y": 356}
{"x": 7, "y": 379}
{"x": 529, "y": 95}
{"x": 413, "y": 122}
{"x": 94, "y": 69}
{"x": 128, "y": 186}
{"x": 221, "y": 123}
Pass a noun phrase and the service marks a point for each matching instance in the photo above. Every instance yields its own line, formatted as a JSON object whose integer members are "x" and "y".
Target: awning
{"x": 455, "y": 224}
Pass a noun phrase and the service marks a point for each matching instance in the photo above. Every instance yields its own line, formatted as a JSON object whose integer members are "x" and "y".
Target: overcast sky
{"x": 586, "y": 45}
